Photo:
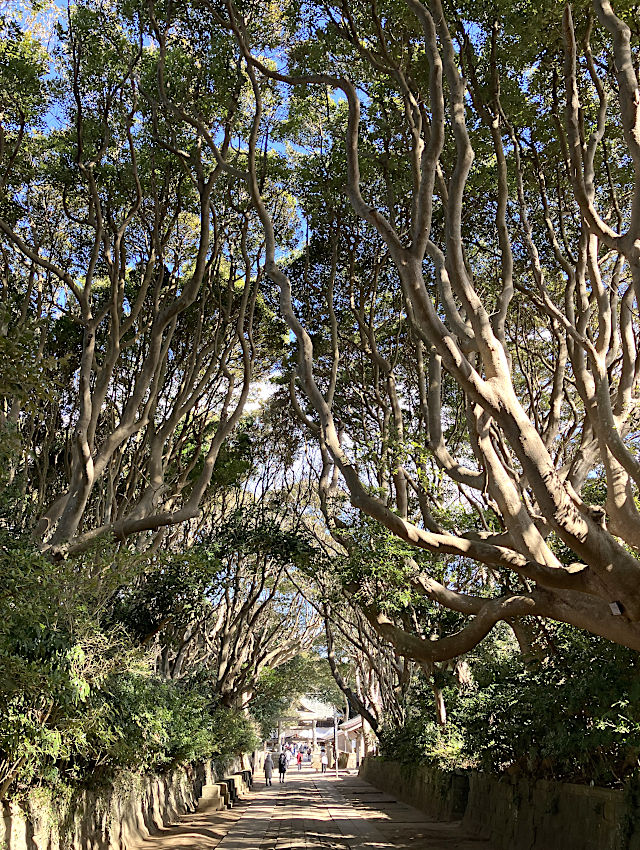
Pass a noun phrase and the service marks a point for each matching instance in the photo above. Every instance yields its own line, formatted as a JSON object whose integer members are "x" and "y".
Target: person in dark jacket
{"x": 282, "y": 765}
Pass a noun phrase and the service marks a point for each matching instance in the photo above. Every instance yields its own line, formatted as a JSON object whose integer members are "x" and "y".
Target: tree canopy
{"x": 318, "y": 328}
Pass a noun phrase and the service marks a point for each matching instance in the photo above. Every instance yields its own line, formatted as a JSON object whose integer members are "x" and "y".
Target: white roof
{"x": 352, "y": 725}
{"x": 308, "y": 708}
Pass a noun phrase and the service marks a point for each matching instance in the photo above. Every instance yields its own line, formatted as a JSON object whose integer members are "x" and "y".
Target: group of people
{"x": 284, "y": 760}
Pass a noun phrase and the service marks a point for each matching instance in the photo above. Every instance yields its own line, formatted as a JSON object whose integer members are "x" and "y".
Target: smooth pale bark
{"x": 515, "y": 450}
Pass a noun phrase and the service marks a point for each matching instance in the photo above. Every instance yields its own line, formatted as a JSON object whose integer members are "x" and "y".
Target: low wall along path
{"x": 117, "y": 818}
{"x": 516, "y": 814}
{"x": 184, "y": 811}
{"x": 315, "y": 811}
{"x": 388, "y": 806}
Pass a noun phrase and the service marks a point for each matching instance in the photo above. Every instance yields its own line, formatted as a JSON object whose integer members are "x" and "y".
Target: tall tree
{"x": 130, "y": 258}
{"x": 519, "y": 278}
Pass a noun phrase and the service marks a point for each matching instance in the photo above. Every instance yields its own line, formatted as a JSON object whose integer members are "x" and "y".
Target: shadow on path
{"x": 313, "y": 811}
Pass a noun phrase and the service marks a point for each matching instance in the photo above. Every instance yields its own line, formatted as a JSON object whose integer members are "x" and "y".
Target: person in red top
{"x": 299, "y": 759}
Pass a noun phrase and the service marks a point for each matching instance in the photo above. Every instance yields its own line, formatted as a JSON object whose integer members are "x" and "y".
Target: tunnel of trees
{"x": 319, "y": 361}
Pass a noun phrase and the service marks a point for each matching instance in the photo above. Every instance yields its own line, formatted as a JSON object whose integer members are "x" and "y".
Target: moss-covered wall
{"x": 114, "y": 818}
{"x": 516, "y": 814}
{"x": 527, "y": 815}
{"x": 442, "y": 794}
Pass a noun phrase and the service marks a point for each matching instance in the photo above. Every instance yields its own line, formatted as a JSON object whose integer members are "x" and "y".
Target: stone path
{"x": 313, "y": 811}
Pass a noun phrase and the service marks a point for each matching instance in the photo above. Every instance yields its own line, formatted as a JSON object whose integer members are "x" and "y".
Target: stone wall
{"x": 115, "y": 818}
{"x": 516, "y": 814}
{"x": 442, "y": 794}
{"x": 544, "y": 815}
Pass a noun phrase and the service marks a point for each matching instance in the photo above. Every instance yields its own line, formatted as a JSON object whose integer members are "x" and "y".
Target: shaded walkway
{"x": 314, "y": 811}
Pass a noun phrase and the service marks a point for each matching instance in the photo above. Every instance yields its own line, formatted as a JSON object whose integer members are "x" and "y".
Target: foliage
{"x": 422, "y": 740}
{"x": 78, "y": 699}
{"x": 150, "y": 724}
{"x": 448, "y": 305}
{"x": 573, "y": 716}
{"x": 277, "y": 689}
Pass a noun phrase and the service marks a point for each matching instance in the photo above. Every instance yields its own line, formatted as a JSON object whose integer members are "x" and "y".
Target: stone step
{"x": 225, "y": 795}
{"x": 241, "y": 781}
{"x": 217, "y": 796}
{"x": 212, "y": 798}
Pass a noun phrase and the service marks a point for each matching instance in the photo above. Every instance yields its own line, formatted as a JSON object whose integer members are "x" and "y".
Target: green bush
{"x": 77, "y": 700}
{"x": 150, "y": 724}
{"x": 421, "y": 740}
{"x": 574, "y": 716}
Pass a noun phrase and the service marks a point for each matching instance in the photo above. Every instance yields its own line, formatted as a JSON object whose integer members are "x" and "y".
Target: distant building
{"x": 356, "y": 739}
{"x": 309, "y": 721}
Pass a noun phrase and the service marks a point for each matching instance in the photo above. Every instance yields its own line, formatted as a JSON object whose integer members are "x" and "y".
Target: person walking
{"x": 325, "y": 761}
{"x": 268, "y": 769}
{"x": 282, "y": 765}
{"x": 299, "y": 760}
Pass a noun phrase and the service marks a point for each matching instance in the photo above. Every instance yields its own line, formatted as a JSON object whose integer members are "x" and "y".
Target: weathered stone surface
{"x": 211, "y": 799}
{"x": 522, "y": 815}
{"x": 241, "y": 784}
{"x": 115, "y": 818}
{"x": 441, "y": 794}
{"x": 515, "y": 814}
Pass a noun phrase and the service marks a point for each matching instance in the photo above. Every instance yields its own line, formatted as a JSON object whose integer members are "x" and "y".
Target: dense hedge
{"x": 77, "y": 699}
{"x": 574, "y": 715}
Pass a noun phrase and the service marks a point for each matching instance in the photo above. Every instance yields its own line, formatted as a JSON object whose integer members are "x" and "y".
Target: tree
{"x": 277, "y": 689}
{"x": 118, "y": 658}
{"x": 225, "y": 610}
{"x": 542, "y": 350}
{"x": 132, "y": 260}
{"x": 447, "y": 207}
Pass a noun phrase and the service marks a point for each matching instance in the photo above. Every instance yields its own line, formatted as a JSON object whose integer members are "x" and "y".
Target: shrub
{"x": 77, "y": 700}
{"x": 421, "y": 740}
{"x": 574, "y": 716}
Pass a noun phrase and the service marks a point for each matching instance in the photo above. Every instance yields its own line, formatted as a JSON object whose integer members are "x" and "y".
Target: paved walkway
{"x": 313, "y": 811}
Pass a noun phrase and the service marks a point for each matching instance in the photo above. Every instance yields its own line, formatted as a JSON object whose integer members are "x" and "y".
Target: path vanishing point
{"x": 313, "y": 811}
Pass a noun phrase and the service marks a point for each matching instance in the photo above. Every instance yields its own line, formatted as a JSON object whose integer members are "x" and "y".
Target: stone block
{"x": 224, "y": 794}
{"x": 211, "y": 799}
{"x": 241, "y": 784}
